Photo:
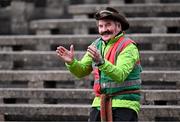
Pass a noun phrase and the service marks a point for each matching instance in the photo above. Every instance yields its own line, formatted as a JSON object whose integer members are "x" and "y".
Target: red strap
{"x": 96, "y": 73}
{"x": 96, "y": 86}
{"x": 112, "y": 51}
{"x": 97, "y": 89}
{"x": 126, "y": 43}
{"x": 106, "y": 108}
{"x": 108, "y": 53}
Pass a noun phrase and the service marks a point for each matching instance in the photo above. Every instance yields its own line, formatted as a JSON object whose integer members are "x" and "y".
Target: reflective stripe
{"x": 117, "y": 85}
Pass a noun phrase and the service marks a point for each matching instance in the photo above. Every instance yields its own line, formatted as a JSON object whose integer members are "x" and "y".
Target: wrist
{"x": 101, "y": 62}
{"x": 70, "y": 62}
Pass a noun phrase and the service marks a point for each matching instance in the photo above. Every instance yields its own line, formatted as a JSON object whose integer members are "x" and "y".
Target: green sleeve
{"x": 124, "y": 65}
{"x": 81, "y": 68}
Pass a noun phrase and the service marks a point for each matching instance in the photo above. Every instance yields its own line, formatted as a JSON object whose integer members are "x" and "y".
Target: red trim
{"x": 127, "y": 42}
{"x": 96, "y": 73}
{"x": 97, "y": 89}
{"x": 112, "y": 51}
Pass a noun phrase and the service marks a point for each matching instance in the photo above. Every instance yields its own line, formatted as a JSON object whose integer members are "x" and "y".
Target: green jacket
{"x": 118, "y": 73}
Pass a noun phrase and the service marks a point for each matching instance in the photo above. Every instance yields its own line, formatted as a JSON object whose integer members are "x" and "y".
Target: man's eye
{"x": 108, "y": 24}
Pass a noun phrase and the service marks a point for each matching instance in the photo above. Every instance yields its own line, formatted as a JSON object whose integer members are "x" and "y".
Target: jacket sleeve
{"x": 125, "y": 63}
{"x": 81, "y": 68}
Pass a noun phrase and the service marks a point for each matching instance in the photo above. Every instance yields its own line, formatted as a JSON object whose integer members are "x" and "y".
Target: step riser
{"x": 132, "y": 10}
{"x": 150, "y": 113}
{"x": 57, "y": 96}
{"x": 49, "y": 60}
{"x": 81, "y": 42}
{"x": 56, "y": 79}
{"x": 84, "y": 26}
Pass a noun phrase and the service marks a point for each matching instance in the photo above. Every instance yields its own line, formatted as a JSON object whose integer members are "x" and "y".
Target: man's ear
{"x": 119, "y": 25}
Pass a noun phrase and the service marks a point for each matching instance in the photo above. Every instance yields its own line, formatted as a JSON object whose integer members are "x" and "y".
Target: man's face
{"x": 108, "y": 29}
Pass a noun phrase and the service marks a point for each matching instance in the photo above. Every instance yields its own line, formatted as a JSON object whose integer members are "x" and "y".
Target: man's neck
{"x": 118, "y": 34}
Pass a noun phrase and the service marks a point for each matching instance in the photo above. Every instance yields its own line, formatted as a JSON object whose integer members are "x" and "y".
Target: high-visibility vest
{"x": 104, "y": 84}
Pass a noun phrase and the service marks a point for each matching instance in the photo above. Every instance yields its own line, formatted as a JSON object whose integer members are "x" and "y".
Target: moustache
{"x": 106, "y": 32}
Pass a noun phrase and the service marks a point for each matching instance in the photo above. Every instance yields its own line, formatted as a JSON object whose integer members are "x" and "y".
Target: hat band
{"x": 105, "y": 11}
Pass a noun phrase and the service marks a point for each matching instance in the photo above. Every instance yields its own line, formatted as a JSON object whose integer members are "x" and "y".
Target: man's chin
{"x": 106, "y": 37}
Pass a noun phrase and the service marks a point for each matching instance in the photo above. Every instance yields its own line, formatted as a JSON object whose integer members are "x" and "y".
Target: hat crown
{"x": 111, "y": 9}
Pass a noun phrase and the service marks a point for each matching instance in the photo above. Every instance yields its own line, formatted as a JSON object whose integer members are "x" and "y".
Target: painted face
{"x": 108, "y": 29}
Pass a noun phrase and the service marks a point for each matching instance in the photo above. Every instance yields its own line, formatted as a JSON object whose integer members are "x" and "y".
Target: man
{"x": 115, "y": 62}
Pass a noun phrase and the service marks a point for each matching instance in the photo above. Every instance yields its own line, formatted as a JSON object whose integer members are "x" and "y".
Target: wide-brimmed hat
{"x": 112, "y": 14}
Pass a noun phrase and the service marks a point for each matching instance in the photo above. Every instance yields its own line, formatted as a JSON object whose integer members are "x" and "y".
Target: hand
{"x": 95, "y": 54}
{"x": 66, "y": 55}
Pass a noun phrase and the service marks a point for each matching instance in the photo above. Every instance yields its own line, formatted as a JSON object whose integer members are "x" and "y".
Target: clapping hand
{"x": 95, "y": 54}
{"x": 66, "y": 55}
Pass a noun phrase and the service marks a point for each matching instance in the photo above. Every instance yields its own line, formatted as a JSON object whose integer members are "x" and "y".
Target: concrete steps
{"x": 35, "y": 85}
{"x": 84, "y": 26}
{"x": 44, "y": 60}
{"x": 80, "y": 96}
{"x": 50, "y": 42}
{"x": 148, "y": 112}
{"x": 129, "y": 10}
{"x": 64, "y": 79}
